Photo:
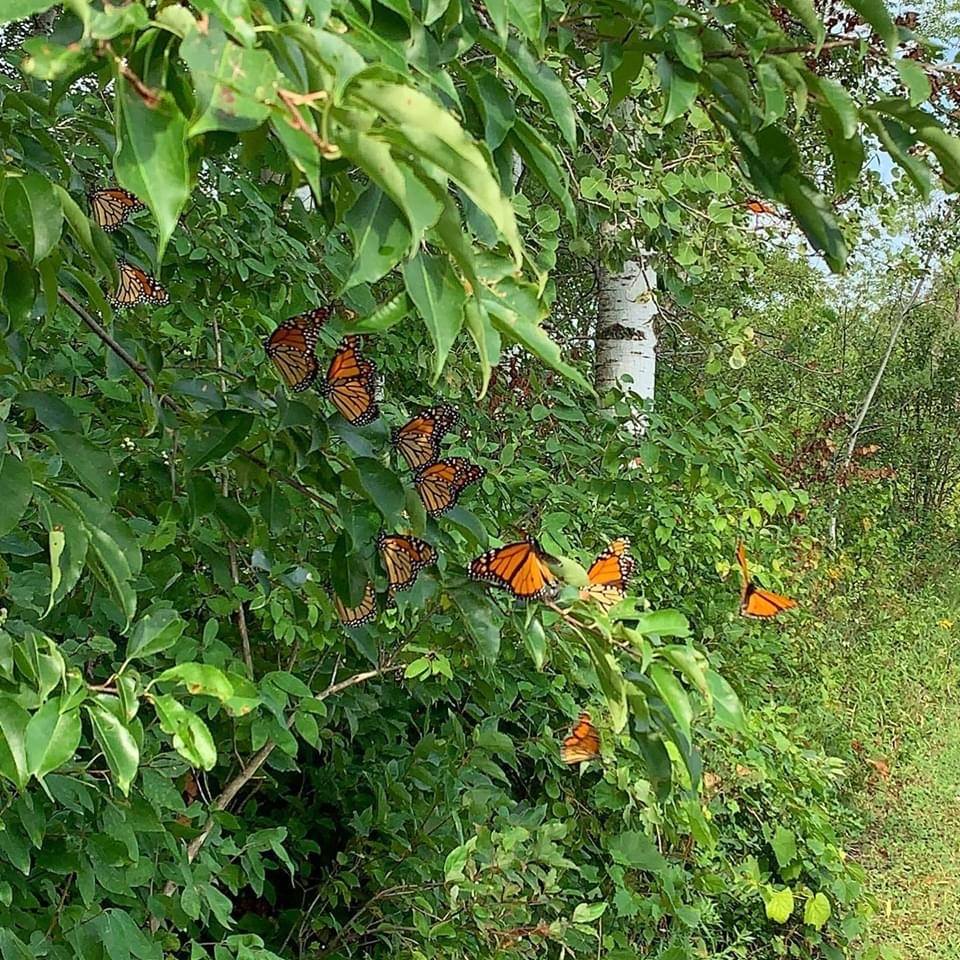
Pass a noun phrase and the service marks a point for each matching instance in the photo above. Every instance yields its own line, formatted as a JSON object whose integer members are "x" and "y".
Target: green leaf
{"x": 806, "y": 13}
{"x": 51, "y": 738}
{"x": 779, "y": 905}
{"x": 482, "y": 619}
{"x": 95, "y": 467}
{"x": 456, "y": 860}
{"x": 199, "y": 678}
{"x": 535, "y": 640}
{"x": 382, "y": 487}
{"x": 784, "y": 845}
{"x": 118, "y": 745}
{"x": 387, "y": 315}
{"x": 528, "y": 16}
{"x": 637, "y": 851}
{"x": 13, "y": 727}
{"x": 439, "y": 297}
{"x": 816, "y": 911}
{"x": 17, "y": 487}
{"x": 379, "y": 235}
{"x": 674, "y": 696}
{"x": 536, "y": 79}
{"x": 726, "y": 703}
{"x": 50, "y": 410}
{"x": 57, "y": 542}
{"x": 774, "y": 92}
{"x": 661, "y": 623}
{"x": 876, "y": 13}
{"x": 433, "y": 133}
{"x": 33, "y": 213}
{"x": 487, "y": 341}
{"x": 151, "y": 155}
{"x": 219, "y": 434}
{"x": 588, "y": 912}
{"x": 840, "y": 102}
{"x": 494, "y": 103}
{"x": 18, "y": 9}
{"x": 543, "y": 160}
{"x": 191, "y": 736}
{"x": 234, "y": 84}
{"x": 113, "y": 21}
{"x": 157, "y": 630}
{"x": 679, "y": 86}
{"x": 816, "y": 219}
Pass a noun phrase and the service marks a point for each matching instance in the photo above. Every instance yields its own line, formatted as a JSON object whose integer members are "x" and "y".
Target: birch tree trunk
{"x": 626, "y": 337}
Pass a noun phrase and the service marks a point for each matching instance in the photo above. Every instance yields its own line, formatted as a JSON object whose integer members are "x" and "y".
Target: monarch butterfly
{"x": 758, "y": 207}
{"x": 350, "y": 384}
{"x": 754, "y": 601}
{"x": 364, "y": 612}
{"x": 112, "y": 207}
{"x": 440, "y": 484}
{"x": 583, "y": 743}
{"x": 418, "y": 440}
{"x": 608, "y": 575}
{"x": 404, "y": 558}
{"x": 518, "y": 567}
{"x": 291, "y": 347}
{"x": 136, "y": 287}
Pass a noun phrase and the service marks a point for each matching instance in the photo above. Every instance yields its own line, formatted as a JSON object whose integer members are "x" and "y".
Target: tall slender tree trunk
{"x": 626, "y": 335}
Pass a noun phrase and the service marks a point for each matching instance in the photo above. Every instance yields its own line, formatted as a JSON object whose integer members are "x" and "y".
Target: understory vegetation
{"x": 263, "y": 693}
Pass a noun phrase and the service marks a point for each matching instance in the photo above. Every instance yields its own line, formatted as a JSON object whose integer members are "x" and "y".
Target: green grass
{"x": 875, "y": 671}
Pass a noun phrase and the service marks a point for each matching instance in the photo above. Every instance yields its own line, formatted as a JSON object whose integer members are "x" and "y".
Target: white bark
{"x": 626, "y": 336}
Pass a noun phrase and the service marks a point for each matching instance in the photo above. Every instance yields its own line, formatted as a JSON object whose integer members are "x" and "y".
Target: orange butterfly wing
{"x": 403, "y": 558}
{"x": 351, "y": 384}
{"x": 609, "y": 574}
{"x": 418, "y": 440}
{"x": 291, "y": 347}
{"x": 440, "y": 484}
{"x": 364, "y": 612}
{"x": 583, "y": 743}
{"x": 755, "y": 601}
{"x": 112, "y": 207}
{"x": 517, "y": 567}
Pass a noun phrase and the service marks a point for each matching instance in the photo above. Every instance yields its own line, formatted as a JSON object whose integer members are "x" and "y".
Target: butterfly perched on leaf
{"x": 609, "y": 575}
{"x": 440, "y": 484}
{"x": 136, "y": 287}
{"x": 112, "y": 207}
{"x": 291, "y": 347}
{"x": 583, "y": 743}
{"x": 418, "y": 440}
{"x": 364, "y": 612}
{"x": 755, "y": 601}
{"x": 403, "y": 558}
{"x": 518, "y": 567}
{"x": 350, "y": 384}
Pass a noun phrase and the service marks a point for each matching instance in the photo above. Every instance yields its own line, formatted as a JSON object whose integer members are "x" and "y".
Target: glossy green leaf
{"x": 784, "y": 845}
{"x": 876, "y": 13}
{"x": 439, "y": 297}
{"x": 779, "y": 905}
{"x": 13, "y": 728}
{"x": 118, "y": 745}
{"x": 51, "y": 738}
{"x": 57, "y": 542}
{"x": 17, "y": 486}
{"x": 93, "y": 465}
{"x": 31, "y": 208}
{"x": 674, "y": 696}
{"x": 816, "y": 911}
{"x": 191, "y": 736}
{"x": 18, "y": 9}
{"x": 157, "y": 630}
{"x": 482, "y": 620}
{"x": 543, "y": 160}
{"x": 221, "y": 432}
{"x": 661, "y": 623}
{"x": 379, "y": 235}
{"x": 199, "y": 678}
{"x": 381, "y": 486}
{"x": 151, "y": 157}
{"x": 679, "y": 86}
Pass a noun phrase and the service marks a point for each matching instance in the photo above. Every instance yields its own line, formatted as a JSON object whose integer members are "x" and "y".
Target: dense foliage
{"x": 197, "y": 759}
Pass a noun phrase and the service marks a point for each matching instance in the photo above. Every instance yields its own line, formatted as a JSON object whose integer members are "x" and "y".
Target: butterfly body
{"x": 518, "y": 567}
{"x": 440, "y": 484}
{"x": 292, "y": 344}
{"x": 609, "y": 575}
{"x": 364, "y": 612}
{"x": 112, "y": 207}
{"x": 137, "y": 287}
{"x": 583, "y": 743}
{"x": 756, "y": 602}
{"x": 350, "y": 384}
{"x": 418, "y": 440}
{"x": 403, "y": 558}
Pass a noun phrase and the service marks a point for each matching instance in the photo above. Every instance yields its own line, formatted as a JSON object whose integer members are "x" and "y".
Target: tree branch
{"x": 742, "y": 53}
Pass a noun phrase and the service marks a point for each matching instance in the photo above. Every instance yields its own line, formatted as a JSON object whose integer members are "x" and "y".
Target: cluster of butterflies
{"x": 583, "y": 742}
{"x": 110, "y": 209}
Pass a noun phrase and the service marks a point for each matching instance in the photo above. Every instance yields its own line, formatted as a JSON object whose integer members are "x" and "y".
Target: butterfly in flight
{"x": 111, "y": 208}
{"x": 136, "y": 287}
{"x": 364, "y": 612}
{"x": 583, "y": 743}
{"x": 609, "y": 574}
{"x": 519, "y": 567}
{"x": 754, "y": 601}
{"x": 440, "y": 484}
{"x": 291, "y": 347}
{"x": 350, "y": 384}
{"x": 403, "y": 559}
{"x": 418, "y": 440}
{"x": 758, "y": 207}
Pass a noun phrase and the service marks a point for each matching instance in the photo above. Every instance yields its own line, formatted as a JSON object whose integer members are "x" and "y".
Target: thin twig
{"x": 743, "y": 53}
